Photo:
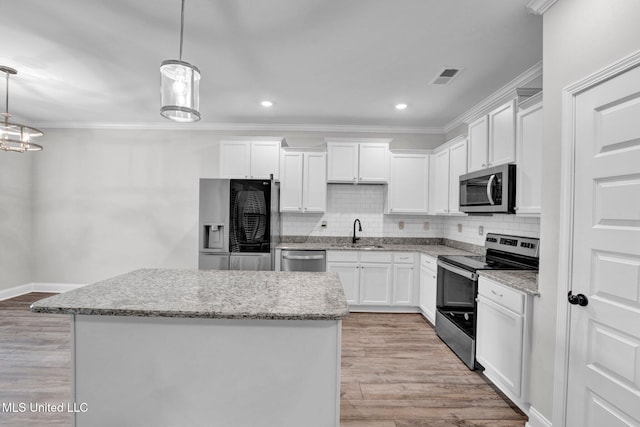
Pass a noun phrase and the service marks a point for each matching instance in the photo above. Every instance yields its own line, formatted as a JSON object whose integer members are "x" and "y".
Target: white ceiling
{"x": 323, "y": 62}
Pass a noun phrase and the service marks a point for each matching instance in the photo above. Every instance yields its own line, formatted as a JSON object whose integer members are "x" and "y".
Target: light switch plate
{"x": 401, "y": 225}
{"x": 459, "y": 228}
{"x": 425, "y": 226}
{"x": 481, "y": 230}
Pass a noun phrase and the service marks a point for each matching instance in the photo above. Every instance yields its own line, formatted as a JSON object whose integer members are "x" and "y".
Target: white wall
{"x": 15, "y": 219}
{"x": 110, "y": 201}
{"x": 580, "y": 37}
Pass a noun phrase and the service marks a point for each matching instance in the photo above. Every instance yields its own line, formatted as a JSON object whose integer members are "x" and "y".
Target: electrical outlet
{"x": 459, "y": 228}
{"x": 425, "y": 226}
{"x": 481, "y": 230}
{"x": 401, "y": 225}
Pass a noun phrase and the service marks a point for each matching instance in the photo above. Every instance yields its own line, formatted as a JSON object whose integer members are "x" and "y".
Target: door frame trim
{"x": 567, "y": 191}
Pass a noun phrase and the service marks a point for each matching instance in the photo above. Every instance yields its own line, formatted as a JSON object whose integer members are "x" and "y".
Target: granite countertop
{"x": 432, "y": 250}
{"x": 207, "y": 294}
{"x": 526, "y": 281}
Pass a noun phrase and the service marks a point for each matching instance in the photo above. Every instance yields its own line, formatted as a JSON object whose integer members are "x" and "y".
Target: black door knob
{"x": 579, "y": 299}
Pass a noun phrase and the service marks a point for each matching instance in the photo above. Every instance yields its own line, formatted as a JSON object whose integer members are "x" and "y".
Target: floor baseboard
{"x": 536, "y": 419}
{"x": 16, "y": 291}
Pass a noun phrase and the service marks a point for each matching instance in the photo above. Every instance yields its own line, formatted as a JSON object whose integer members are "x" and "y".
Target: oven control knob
{"x": 579, "y": 299}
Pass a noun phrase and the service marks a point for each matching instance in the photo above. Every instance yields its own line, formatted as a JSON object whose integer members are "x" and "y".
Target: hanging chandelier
{"x": 180, "y": 86}
{"x": 14, "y": 136}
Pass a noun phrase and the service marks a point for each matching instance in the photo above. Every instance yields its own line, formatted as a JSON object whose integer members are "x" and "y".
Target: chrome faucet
{"x": 355, "y": 239}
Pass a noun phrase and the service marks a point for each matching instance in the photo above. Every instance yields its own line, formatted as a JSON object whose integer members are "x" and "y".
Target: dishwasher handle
{"x": 303, "y": 257}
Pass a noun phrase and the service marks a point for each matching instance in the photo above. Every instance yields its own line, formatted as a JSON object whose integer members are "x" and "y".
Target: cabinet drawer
{"x": 506, "y": 297}
{"x": 346, "y": 256}
{"x": 404, "y": 258}
{"x": 376, "y": 256}
{"x": 428, "y": 262}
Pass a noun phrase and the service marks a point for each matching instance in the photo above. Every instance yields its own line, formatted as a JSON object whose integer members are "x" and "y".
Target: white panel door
{"x": 478, "y": 144}
{"x": 604, "y": 351}
{"x": 349, "y": 273}
{"x": 342, "y": 162}
{"x": 502, "y": 134}
{"x": 374, "y": 162}
{"x": 441, "y": 185}
{"x": 375, "y": 284}
{"x": 409, "y": 183}
{"x": 265, "y": 159}
{"x": 291, "y": 182}
{"x": 235, "y": 159}
{"x": 529, "y": 160}
{"x": 457, "y": 167}
{"x": 315, "y": 182}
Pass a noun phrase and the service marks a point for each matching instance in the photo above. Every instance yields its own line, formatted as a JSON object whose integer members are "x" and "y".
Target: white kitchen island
{"x": 163, "y": 347}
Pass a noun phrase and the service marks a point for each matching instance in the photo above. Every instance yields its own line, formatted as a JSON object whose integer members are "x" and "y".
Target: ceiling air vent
{"x": 445, "y": 76}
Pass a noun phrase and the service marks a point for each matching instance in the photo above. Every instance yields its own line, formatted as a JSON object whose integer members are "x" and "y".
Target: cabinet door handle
{"x": 496, "y": 293}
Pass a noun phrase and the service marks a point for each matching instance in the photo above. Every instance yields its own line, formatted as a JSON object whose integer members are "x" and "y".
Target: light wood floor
{"x": 395, "y": 373}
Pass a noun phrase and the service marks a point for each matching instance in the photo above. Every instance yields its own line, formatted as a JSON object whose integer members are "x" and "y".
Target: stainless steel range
{"x": 458, "y": 287}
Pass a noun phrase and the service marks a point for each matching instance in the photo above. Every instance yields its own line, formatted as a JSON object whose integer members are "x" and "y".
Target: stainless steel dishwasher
{"x": 303, "y": 261}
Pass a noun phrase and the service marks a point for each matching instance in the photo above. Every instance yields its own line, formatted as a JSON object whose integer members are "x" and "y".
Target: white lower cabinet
{"x": 375, "y": 283}
{"x": 403, "y": 278}
{"x": 428, "y": 286}
{"x": 375, "y": 278}
{"x": 503, "y": 338}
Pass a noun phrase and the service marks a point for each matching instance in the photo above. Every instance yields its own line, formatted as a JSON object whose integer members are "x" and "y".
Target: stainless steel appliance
{"x": 457, "y": 287}
{"x": 303, "y": 261}
{"x": 490, "y": 190}
{"x": 239, "y": 224}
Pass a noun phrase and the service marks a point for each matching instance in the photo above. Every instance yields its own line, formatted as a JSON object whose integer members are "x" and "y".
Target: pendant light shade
{"x": 180, "y": 86}
{"x": 14, "y": 136}
{"x": 179, "y": 89}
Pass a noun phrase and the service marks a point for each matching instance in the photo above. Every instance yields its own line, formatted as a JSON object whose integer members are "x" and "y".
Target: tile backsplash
{"x": 346, "y": 202}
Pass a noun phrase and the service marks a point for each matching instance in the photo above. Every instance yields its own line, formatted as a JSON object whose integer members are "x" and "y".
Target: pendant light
{"x": 13, "y": 136}
{"x": 180, "y": 87}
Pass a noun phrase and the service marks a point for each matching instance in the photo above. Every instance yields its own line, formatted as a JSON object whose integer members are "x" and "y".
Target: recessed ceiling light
{"x": 401, "y": 106}
{"x": 266, "y": 103}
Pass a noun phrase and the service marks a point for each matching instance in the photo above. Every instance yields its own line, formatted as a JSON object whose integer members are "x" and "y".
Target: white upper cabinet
{"x": 408, "y": 190}
{"x": 314, "y": 181}
{"x": 457, "y": 167}
{"x": 529, "y": 157}
{"x": 303, "y": 182}
{"x": 343, "y": 162}
{"x": 250, "y": 158}
{"x": 492, "y": 138}
{"x": 450, "y": 163}
{"x": 502, "y": 134}
{"x": 354, "y": 160}
{"x": 441, "y": 184}
{"x": 478, "y": 144}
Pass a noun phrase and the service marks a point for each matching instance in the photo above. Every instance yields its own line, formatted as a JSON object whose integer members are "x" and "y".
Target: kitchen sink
{"x": 356, "y": 246}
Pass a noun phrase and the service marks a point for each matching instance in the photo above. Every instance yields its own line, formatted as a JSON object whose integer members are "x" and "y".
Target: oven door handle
{"x": 457, "y": 270}
{"x": 489, "y": 188}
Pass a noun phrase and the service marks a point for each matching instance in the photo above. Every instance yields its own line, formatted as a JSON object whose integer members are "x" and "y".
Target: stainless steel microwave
{"x": 490, "y": 190}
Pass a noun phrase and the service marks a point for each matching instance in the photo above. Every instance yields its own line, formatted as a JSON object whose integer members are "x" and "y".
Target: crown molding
{"x": 538, "y": 7}
{"x": 500, "y": 96}
{"x": 244, "y": 127}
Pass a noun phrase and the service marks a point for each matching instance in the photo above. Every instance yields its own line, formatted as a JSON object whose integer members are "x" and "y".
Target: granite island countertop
{"x": 523, "y": 280}
{"x": 206, "y": 294}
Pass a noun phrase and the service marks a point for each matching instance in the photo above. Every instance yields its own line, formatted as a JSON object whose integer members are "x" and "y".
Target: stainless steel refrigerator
{"x": 239, "y": 224}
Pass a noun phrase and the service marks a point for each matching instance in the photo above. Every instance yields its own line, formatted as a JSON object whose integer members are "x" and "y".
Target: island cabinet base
{"x": 163, "y": 371}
